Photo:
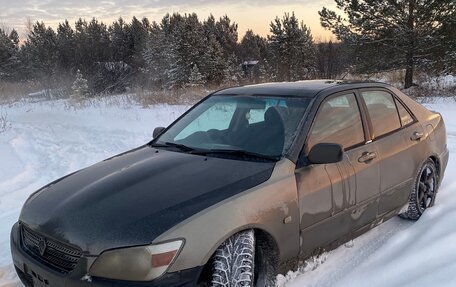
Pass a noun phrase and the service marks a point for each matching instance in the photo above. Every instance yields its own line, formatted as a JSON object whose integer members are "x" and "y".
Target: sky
{"x": 249, "y": 14}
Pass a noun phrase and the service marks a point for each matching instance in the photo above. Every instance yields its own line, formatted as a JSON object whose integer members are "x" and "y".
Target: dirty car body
{"x": 241, "y": 159}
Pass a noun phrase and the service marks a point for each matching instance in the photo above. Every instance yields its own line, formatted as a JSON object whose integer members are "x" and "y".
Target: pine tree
{"x": 196, "y": 79}
{"x": 252, "y": 47}
{"x": 447, "y": 64}
{"x": 188, "y": 43}
{"x": 213, "y": 62}
{"x": 65, "y": 48}
{"x": 159, "y": 54}
{"x": 92, "y": 44}
{"x": 227, "y": 35}
{"x": 399, "y": 34}
{"x": 138, "y": 32}
{"x": 14, "y": 37}
{"x": 40, "y": 53}
{"x": 120, "y": 42}
{"x": 95, "y": 58}
{"x": 233, "y": 71}
{"x": 292, "y": 49}
{"x": 80, "y": 87}
{"x": 8, "y": 54}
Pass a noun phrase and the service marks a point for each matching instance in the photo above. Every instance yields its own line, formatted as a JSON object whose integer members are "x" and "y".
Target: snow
{"x": 441, "y": 82}
{"x": 48, "y": 139}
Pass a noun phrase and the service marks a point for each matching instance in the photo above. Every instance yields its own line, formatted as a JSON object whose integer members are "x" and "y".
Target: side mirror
{"x": 325, "y": 153}
{"x": 157, "y": 131}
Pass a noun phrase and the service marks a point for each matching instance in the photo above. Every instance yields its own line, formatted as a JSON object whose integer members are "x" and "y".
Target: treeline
{"x": 182, "y": 51}
{"x": 177, "y": 52}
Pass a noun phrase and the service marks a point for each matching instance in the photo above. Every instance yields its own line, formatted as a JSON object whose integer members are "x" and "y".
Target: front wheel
{"x": 424, "y": 191}
{"x": 234, "y": 261}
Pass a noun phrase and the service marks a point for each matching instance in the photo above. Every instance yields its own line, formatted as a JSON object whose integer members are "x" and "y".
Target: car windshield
{"x": 241, "y": 125}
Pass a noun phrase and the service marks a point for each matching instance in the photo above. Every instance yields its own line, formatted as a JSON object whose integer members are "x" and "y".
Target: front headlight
{"x": 143, "y": 263}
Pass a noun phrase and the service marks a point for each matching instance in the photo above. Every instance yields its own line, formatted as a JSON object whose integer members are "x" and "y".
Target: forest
{"x": 90, "y": 58}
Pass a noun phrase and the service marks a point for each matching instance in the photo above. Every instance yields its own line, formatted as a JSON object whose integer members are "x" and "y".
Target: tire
{"x": 234, "y": 261}
{"x": 424, "y": 191}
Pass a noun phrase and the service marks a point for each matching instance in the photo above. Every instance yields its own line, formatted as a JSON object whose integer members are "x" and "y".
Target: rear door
{"x": 391, "y": 127}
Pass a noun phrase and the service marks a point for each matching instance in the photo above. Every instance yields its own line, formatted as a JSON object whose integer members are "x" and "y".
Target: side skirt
{"x": 350, "y": 236}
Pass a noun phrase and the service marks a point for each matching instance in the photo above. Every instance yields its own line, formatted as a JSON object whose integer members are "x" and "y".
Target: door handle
{"x": 416, "y": 136}
{"x": 366, "y": 157}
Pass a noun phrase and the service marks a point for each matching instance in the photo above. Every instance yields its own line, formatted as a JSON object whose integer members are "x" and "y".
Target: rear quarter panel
{"x": 434, "y": 142}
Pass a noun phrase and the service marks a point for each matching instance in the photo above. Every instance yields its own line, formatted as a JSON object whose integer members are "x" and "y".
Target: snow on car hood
{"x": 134, "y": 197}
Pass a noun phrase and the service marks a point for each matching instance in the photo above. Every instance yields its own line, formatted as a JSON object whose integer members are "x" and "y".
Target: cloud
{"x": 60, "y": 9}
{"x": 14, "y": 13}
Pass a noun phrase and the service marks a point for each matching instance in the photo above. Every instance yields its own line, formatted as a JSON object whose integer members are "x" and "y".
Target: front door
{"x": 328, "y": 194}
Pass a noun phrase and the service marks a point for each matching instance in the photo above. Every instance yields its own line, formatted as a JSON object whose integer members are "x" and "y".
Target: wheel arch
{"x": 261, "y": 235}
{"x": 435, "y": 158}
{"x": 432, "y": 156}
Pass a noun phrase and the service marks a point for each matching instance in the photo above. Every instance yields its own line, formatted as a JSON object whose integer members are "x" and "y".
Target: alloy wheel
{"x": 426, "y": 188}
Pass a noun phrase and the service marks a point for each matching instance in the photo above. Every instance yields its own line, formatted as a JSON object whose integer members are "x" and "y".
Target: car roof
{"x": 308, "y": 89}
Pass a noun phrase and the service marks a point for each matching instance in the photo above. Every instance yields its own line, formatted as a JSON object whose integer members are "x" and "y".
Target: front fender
{"x": 262, "y": 207}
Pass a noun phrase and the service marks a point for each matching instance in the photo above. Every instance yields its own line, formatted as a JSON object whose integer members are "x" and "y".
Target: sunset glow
{"x": 255, "y": 15}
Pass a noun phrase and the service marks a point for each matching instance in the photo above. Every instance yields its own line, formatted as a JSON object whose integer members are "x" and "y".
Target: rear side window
{"x": 406, "y": 117}
{"x": 382, "y": 110}
{"x": 338, "y": 121}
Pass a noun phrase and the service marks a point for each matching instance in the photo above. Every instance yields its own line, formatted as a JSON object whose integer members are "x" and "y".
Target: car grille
{"x": 54, "y": 254}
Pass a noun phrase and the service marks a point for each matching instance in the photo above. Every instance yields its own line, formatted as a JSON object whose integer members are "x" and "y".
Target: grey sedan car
{"x": 238, "y": 189}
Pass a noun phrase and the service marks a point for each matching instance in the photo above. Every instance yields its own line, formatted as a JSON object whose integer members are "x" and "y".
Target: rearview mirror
{"x": 157, "y": 131}
{"x": 325, "y": 153}
{"x": 253, "y": 103}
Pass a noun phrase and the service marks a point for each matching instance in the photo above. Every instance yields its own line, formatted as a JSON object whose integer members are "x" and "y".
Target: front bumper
{"x": 33, "y": 273}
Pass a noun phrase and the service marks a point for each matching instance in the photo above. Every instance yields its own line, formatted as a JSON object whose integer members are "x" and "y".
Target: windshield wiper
{"x": 233, "y": 152}
{"x": 176, "y": 145}
{"x": 237, "y": 152}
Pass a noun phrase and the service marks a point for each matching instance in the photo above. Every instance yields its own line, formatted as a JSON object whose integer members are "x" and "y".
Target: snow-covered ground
{"x": 49, "y": 139}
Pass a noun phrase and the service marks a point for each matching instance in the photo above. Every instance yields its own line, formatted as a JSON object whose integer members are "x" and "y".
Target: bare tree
{"x": 29, "y": 26}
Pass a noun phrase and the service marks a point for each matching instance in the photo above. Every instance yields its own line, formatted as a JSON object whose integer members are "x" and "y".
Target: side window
{"x": 337, "y": 121}
{"x": 382, "y": 112}
{"x": 406, "y": 117}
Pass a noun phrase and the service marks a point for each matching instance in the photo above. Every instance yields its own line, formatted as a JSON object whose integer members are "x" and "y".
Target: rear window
{"x": 406, "y": 117}
{"x": 382, "y": 111}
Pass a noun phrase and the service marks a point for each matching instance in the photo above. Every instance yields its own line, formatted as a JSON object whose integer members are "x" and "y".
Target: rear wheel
{"x": 234, "y": 261}
{"x": 424, "y": 191}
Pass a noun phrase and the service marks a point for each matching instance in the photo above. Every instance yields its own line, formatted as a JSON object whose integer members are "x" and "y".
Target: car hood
{"x": 134, "y": 197}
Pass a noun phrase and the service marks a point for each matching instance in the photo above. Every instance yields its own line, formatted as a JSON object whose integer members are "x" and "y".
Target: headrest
{"x": 272, "y": 116}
